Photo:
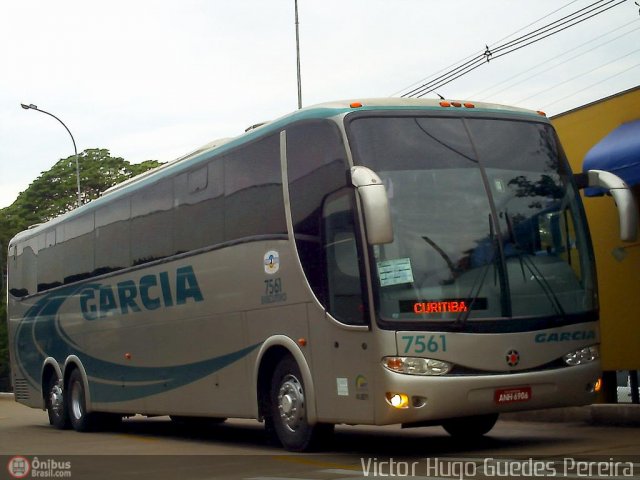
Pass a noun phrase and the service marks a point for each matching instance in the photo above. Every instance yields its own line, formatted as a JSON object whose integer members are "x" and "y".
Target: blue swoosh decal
{"x": 40, "y": 335}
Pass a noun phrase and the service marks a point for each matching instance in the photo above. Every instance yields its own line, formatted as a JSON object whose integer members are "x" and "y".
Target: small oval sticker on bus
{"x": 271, "y": 262}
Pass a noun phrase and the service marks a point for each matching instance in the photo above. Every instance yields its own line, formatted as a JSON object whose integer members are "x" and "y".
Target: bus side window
{"x": 151, "y": 219}
{"x": 344, "y": 285}
{"x": 199, "y": 207}
{"x": 253, "y": 180}
{"x": 112, "y": 238}
{"x": 77, "y": 250}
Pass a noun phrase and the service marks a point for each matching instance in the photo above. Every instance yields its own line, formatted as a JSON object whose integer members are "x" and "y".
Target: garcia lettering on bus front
{"x": 151, "y": 292}
{"x": 576, "y": 335}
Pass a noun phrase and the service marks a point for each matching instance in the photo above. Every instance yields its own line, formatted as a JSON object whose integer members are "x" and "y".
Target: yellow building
{"x": 618, "y": 264}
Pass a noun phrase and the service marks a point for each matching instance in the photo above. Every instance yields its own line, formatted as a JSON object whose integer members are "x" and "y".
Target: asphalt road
{"x": 239, "y": 449}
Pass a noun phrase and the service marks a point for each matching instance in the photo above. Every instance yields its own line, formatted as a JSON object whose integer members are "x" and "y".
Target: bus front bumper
{"x": 437, "y": 398}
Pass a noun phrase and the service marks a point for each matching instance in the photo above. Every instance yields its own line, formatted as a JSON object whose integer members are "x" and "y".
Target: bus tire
{"x": 76, "y": 401}
{"x": 54, "y": 403}
{"x": 287, "y": 409}
{"x": 470, "y": 427}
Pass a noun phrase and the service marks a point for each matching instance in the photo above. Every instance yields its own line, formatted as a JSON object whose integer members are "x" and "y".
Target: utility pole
{"x": 298, "y": 57}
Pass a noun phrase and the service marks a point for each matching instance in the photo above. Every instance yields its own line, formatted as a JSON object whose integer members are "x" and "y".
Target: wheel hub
{"x": 291, "y": 403}
{"x": 56, "y": 399}
{"x": 77, "y": 401}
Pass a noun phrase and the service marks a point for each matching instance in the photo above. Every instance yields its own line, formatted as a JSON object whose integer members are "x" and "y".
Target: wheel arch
{"x": 271, "y": 352}
{"x": 73, "y": 363}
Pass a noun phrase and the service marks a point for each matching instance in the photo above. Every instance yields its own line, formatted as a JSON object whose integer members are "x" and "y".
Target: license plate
{"x": 512, "y": 395}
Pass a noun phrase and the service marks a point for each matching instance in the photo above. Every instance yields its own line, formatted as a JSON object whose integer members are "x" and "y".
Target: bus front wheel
{"x": 288, "y": 409}
{"x": 470, "y": 427}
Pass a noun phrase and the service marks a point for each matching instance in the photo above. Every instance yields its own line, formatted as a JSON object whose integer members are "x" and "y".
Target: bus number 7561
{"x": 424, "y": 343}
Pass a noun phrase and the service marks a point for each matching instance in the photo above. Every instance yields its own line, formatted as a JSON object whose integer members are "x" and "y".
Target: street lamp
{"x": 31, "y": 106}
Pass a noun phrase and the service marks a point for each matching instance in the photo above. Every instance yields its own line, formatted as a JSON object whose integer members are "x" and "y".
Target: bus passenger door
{"x": 345, "y": 347}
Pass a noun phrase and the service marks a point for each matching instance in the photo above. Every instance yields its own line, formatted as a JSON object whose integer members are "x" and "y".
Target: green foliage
{"x": 5, "y": 382}
{"x": 53, "y": 193}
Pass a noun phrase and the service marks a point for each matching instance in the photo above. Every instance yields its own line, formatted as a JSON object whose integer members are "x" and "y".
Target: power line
{"x": 535, "y": 36}
{"x": 578, "y": 76}
{"x": 564, "y": 28}
{"x": 480, "y": 57}
{"x": 478, "y": 63}
{"x": 477, "y": 53}
{"x": 551, "y": 26}
{"x": 564, "y": 62}
{"x": 593, "y": 85}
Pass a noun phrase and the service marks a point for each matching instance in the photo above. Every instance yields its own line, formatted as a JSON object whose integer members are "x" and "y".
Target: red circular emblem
{"x": 513, "y": 358}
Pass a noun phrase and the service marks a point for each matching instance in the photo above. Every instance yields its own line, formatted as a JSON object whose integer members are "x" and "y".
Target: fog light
{"x": 418, "y": 402}
{"x": 398, "y": 400}
{"x": 582, "y": 356}
{"x": 416, "y": 365}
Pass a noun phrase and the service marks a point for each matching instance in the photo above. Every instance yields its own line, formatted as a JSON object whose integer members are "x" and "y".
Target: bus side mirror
{"x": 375, "y": 205}
{"x": 623, "y": 196}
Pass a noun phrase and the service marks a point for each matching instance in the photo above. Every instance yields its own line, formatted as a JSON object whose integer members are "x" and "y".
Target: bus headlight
{"x": 417, "y": 366}
{"x": 582, "y": 356}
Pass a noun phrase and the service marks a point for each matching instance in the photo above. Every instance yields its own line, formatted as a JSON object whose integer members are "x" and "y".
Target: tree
{"x": 53, "y": 193}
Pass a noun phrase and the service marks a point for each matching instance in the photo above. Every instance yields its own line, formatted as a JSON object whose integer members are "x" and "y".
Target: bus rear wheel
{"x": 80, "y": 419}
{"x": 470, "y": 427}
{"x": 288, "y": 409}
{"x": 55, "y": 404}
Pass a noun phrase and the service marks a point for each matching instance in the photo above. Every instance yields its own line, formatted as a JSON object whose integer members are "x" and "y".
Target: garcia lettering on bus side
{"x": 150, "y": 293}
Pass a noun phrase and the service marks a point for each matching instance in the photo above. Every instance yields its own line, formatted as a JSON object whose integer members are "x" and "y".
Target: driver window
{"x": 344, "y": 286}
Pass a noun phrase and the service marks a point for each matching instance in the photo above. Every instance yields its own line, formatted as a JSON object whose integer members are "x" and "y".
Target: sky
{"x": 157, "y": 79}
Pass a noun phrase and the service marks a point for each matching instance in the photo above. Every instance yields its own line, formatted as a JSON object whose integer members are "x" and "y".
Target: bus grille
{"x": 21, "y": 389}
{"x": 466, "y": 371}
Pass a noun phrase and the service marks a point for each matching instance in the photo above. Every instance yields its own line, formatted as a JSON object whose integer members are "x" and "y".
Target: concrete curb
{"x": 620, "y": 415}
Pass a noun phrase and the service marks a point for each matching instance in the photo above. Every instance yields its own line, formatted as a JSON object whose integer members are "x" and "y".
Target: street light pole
{"x": 31, "y": 106}
{"x": 298, "y": 57}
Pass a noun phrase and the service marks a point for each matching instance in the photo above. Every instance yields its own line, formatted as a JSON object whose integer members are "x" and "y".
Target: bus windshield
{"x": 487, "y": 222}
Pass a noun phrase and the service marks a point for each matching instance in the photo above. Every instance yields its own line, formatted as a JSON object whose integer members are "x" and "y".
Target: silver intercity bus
{"x": 389, "y": 261}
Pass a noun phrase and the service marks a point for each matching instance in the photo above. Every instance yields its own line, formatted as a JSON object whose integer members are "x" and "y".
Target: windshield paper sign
{"x": 395, "y": 272}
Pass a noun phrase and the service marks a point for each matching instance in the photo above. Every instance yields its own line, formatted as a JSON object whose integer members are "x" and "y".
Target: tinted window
{"x": 199, "y": 217}
{"x": 253, "y": 190}
{"x": 316, "y": 167}
{"x": 112, "y": 236}
{"x": 487, "y": 223}
{"x": 49, "y": 264}
{"x": 77, "y": 249}
{"x": 151, "y": 223}
{"x": 344, "y": 287}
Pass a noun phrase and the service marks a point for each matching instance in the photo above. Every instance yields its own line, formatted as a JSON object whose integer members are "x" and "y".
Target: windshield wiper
{"x": 463, "y": 316}
{"x": 537, "y": 275}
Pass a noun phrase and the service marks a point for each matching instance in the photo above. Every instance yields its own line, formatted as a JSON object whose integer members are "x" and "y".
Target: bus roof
{"x": 323, "y": 110}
